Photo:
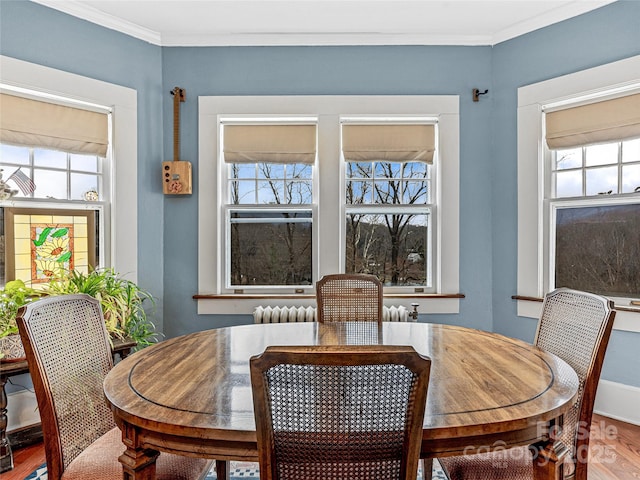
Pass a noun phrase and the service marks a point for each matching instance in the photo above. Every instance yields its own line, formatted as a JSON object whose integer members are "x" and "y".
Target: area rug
{"x": 239, "y": 471}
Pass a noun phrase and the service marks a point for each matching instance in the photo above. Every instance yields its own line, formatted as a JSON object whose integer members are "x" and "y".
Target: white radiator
{"x": 308, "y": 314}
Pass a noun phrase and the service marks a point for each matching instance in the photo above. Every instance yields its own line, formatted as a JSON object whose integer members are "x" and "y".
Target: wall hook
{"x": 477, "y": 93}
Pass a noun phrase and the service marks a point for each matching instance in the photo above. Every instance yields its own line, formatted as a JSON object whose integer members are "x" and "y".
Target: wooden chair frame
{"x": 339, "y": 356}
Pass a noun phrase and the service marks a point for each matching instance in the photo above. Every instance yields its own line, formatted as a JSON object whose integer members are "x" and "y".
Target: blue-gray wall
{"x": 168, "y": 226}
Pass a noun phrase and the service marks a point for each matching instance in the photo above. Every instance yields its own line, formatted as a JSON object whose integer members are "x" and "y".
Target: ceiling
{"x": 324, "y": 22}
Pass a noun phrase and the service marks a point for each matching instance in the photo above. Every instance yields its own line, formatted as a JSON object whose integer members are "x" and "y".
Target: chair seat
{"x": 99, "y": 461}
{"x": 510, "y": 464}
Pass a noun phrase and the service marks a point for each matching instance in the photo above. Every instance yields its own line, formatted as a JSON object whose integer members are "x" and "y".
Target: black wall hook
{"x": 477, "y": 93}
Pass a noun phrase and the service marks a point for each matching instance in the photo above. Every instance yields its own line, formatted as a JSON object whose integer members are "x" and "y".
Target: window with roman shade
{"x": 389, "y": 221}
{"x": 42, "y": 124}
{"x": 594, "y": 196}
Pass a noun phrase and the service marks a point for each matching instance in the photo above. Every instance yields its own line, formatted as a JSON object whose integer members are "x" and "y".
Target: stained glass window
{"x": 43, "y": 244}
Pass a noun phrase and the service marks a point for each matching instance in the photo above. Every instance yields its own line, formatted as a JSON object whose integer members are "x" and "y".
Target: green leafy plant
{"x": 14, "y": 295}
{"x": 122, "y": 302}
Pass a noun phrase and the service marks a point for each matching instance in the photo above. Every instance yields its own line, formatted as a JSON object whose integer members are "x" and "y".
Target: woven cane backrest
{"x": 352, "y": 413}
{"x": 349, "y": 297}
{"x": 69, "y": 355}
{"x": 576, "y": 327}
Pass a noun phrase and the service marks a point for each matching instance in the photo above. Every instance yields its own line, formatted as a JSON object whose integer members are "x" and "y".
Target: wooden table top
{"x": 195, "y": 390}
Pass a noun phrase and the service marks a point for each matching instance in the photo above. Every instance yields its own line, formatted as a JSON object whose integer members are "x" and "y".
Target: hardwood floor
{"x": 614, "y": 453}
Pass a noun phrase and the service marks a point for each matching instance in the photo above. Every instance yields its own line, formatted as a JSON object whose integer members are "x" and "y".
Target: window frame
{"x": 534, "y": 160}
{"x": 18, "y": 76}
{"x": 330, "y": 175}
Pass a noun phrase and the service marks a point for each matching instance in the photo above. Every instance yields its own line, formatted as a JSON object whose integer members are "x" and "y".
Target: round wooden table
{"x": 192, "y": 394}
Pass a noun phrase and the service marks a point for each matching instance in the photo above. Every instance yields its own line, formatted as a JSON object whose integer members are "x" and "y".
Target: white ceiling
{"x": 324, "y": 22}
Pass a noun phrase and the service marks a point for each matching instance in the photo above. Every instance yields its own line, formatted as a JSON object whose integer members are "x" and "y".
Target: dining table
{"x": 191, "y": 395}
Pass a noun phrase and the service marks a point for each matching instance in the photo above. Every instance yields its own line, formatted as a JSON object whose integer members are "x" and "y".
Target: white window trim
{"x": 326, "y": 108}
{"x": 533, "y": 242}
{"x": 18, "y": 74}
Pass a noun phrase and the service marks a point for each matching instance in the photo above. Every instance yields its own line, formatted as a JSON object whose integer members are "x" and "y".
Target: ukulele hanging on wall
{"x": 176, "y": 174}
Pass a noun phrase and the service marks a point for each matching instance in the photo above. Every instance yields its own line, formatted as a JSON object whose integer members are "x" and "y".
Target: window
{"x": 578, "y": 179}
{"x": 289, "y": 212}
{"x": 388, "y": 204}
{"x": 72, "y": 185}
{"x": 595, "y": 218}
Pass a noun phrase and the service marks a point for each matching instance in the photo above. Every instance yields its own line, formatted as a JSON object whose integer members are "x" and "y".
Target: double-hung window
{"x": 594, "y": 196}
{"x": 268, "y": 203}
{"x": 390, "y": 214}
{"x": 55, "y": 189}
{"x": 578, "y": 187}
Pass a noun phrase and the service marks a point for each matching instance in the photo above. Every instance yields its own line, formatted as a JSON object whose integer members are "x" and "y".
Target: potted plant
{"x": 12, "y": 297}
{"x": 122, "y": 302}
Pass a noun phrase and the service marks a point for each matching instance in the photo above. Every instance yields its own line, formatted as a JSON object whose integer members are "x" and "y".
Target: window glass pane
{"x": 388, "y": 169}
{"x": 387, "y": 193}
{"x": 85, "y": 163}
{"x": 631, "y": 151}
{"x": 568, "y": 184}
{"x": 568, "y": 158}
{"x": 84, "y": 187}
{"x": 415, "y": 193}
{"x": 391, "y": 246}
{"x": 270, "y": 170}
{"x": 13, "y": 154}
{"x": 598, "y": 249}
{"x": 50, "y": 184}
{"x": 299, "y": 192}
{"x": 358, "y": 192}
{"x": 359, "y": 169}
{"x": 242, "y": 192}
{"x": 415, "y": 170}
{"x": 242, "y": 170}
{"x": 49, "y": 158}
{"x": 601, "y": 154}
{"x": 631, "y": 178}
{"x": 299, "y": 170}
{"x": 271, "y": 192}
{"x": 271, "y": 248}
{"x": 602, "y": 181}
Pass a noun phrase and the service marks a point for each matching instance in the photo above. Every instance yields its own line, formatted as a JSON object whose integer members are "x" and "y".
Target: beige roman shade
{"x": 269, "y": 143}
{"x": 41, "y": 124}
{"x": 392, "y": 143}
{"x": 606, "y": 121}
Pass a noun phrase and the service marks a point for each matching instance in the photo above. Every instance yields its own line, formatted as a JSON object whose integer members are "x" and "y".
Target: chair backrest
{"x": 576, "y": 327}
{"x": 345, "y": 297}
{"x": 339, "y": 412}
{"x": 68, "y": 353}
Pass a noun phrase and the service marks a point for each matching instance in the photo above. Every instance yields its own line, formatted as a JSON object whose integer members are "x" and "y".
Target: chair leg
{"x": 222, "y": 470}
{"x": 427, "y": 468}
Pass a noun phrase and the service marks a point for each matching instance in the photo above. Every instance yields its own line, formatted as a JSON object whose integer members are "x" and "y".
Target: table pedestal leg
{"x": 548, "y": 464}
{"x": 137, "y": 463}
{"x": 6, "y": 456}
{"x": 222, "y": 470}
{"x": 427, "y": 468}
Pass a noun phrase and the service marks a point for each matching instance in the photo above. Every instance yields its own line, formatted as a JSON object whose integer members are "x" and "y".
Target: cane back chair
{"x": 344, "y": 412}
{"x": 576, "y": 327}
{"x": 68, "y": 353}
{"x": 344, "y": 297}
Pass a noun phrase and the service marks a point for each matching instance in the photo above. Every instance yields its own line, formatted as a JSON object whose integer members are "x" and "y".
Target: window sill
{"x": 243, "y": 304}
{"x": 627, "y": 317}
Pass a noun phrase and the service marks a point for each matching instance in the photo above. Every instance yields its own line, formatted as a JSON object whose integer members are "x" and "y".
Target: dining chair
{"x": 340, "y": 412}
{"x": 69, "y": 355}
{"x": 576, "y": 327}
{"x": 343, "y": 297}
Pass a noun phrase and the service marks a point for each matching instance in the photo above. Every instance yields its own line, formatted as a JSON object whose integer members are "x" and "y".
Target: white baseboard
{"x": 618, "y": 401}
{"x": 22, "y": 410}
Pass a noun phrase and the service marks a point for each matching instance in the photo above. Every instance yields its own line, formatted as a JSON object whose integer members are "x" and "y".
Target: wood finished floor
{"x": 614, "y": 453}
